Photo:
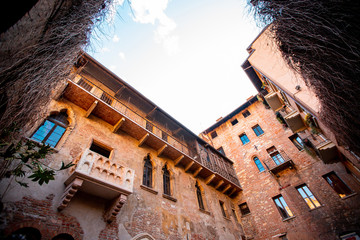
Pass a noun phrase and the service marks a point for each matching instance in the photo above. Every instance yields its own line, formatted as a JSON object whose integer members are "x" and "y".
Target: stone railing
{"x": 103, "y": 169}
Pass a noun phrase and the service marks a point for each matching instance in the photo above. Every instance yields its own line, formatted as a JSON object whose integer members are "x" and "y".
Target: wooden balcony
{"x": 274, "y": 101}
{"x": 102, "y": 177}
{"x": 101, "y": 104}
{"x": 279, "y": 164}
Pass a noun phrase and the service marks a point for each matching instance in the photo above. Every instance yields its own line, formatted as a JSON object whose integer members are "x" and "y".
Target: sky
{"x": 184, "y": 55}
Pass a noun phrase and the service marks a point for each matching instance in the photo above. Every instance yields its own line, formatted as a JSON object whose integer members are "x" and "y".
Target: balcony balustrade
{"x": 292, "y": 119}
{"x": 278, "y": 162}
{"x": 274, "y": 101}
{"x": 101, "y": 177}
{"x": 323, "y": 147}
{"x": 103, "y": 105}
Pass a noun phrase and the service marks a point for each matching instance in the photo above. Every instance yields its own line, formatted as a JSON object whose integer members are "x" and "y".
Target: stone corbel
{"x": 69, "y": 193}
{"x": 114, "y": 209}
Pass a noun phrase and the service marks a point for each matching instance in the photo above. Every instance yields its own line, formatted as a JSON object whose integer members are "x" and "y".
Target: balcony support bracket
{"x": 178, "y": 160}
{"x": 209, "y": 179}
{"x": 91, "y": 108}
{"x": 114, "y": 209}
{"x": 197, "y": 171}
{"x": 188, "y": 166}
{"x": 143, "y": 139}
{"x": 226, "y": 188}
{"x": 118, "y": 125}
{"x": 69, "y": 193}
{"x": 219, "y": 184}
{"x": 161, "y": 150}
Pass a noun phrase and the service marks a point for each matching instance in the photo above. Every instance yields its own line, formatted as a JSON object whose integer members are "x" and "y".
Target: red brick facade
{"x": 336, "y": 216}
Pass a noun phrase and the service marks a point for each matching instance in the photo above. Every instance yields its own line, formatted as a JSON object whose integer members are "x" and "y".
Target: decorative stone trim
{"x": 69, "y": 193}
{"x": 148, "y": 189}
{"x": 170, "y": 198}
{"x": 114, "y": 209}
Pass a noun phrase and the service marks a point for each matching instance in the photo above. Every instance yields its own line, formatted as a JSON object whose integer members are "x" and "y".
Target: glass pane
{"x": 43, "y": 131}
{"x": 339, "y": 186}
{"x": 286, "y": 206}
{"x": 258, "y": 164}
{"x": 55, "y": 136}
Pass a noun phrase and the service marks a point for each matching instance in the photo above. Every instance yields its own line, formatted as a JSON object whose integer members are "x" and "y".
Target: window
{"x": 213, "y": 134}
{"x": 51, "y": 131}
{"x": 297, "y": 141}
{"x": 147, "y": 176}
{"x": 308, "y": 197}
{"x": 257, "y": 129}
{"x": 244, "y": 139}
{"x": 283, "y": 208}
{"x": 223, "y": 209}
{"x": 275, "y": 155}
{"x": 246, "y": 113}
{"x": 337, "y": 184}
{"x": 100, "y": 149}
{"x": 199, "y": 197}
{"x": 244, "y": 209}
{"x": 259, "y": 164}
{"x": 166, "y": 180}
{"x": 234, "y": 214}
{"x": 234, "y": 122}
{"x": 220, "y": 149}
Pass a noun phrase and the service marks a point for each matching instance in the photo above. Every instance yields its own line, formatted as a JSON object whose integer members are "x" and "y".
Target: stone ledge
{"x": 204, "y": 211}
{"x": 148, "y": 189}
{"x": 169, "y": 197}
{"x": 289, "y": 218}
{"x": 349, "y": 196}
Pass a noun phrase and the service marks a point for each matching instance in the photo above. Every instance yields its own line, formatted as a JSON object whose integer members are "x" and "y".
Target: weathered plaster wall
{"x": 144, "y": 211}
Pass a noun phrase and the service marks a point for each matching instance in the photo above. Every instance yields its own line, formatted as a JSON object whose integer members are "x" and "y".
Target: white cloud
{"x": 122, "y": 55}
{"x": 152, "y": 11}
{"x": 115, "y": 38}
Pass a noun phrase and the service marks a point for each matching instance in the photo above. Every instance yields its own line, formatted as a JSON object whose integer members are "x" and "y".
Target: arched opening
{"x": 148, "y": 172}
{"x": 166, "y": 180}
{"x": 63, "y": 236}
{"x": 26, "y": 233}
{"x": 199, "y": 195}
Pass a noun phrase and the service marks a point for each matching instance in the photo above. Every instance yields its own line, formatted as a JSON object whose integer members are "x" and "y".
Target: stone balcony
{"x": 293, "y": 119}
{"x": 274, "y": 101}
{"x": 102, "y": 177}
{"x": 101, "y": 104}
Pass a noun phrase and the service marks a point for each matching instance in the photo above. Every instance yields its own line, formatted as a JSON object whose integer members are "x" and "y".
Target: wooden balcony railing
{"x": 123, "y": 109}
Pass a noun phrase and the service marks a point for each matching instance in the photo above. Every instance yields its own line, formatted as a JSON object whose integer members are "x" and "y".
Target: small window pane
{"x": 43, "y": 131}
{"x": 244, "y": 139}
{"x": 337, "y": 184}
{"x": 246, "y": 113}
{"x": 308, "y": 197}
{"x": 234, "y": 122}
{"x": 213, "y": 134}
{"x": 259, "y": 164}
{"x": 283, "y": 208}
{"x": 258, "y": 131}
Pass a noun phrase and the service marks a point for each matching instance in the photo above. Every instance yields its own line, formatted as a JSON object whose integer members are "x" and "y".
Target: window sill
{"x": 148, "y": 189}
{"x": 169, "y": 197}
{"x": 260, "y": 134}
{"x": 289, "y": 218}
{"x": 349, "y": 196}
{"x": 204, "y": 211}
{"x": 245, "y": 143}
{"x": 227, "y": 218}
{"x": 310, "y": 210}
{"x": 55, "y": 150}
{"x": 245, "y": 215}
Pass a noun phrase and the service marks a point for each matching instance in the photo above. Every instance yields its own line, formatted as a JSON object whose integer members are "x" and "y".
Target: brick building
{"x": 138, "y": 174}
{"x": 288, "y": 191}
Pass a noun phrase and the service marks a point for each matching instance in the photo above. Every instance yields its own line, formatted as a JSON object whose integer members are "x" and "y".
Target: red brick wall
{"x": 334, "y": 217}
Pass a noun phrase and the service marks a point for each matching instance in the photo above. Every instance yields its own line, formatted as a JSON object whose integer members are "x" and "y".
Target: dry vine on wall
{"x": 320, "y": 40}
{"x": 38, "y": 60}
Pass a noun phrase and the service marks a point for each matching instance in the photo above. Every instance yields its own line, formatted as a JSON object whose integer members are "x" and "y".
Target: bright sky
{"x": 184, "y": 55}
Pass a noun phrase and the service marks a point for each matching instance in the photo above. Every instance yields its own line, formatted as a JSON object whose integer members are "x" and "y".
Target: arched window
{"x": 259, "y": 164}
{"x": 51, "y": 131}
{"x": 199, "y": 196}
{"x": 147, "y": 177}
{"x": 25, "y": 233}
{"x": 166, "y": 180}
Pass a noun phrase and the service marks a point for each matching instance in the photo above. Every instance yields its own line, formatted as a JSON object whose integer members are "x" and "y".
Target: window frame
{"x": 213, "y": 134}
{"x": 256, "y": 130}
{"x": 246, "y": 113}
{"x": 284, "y": 208}
{"x": 166, "y": 181}
{"x": 234, "y": 122}
{"x": 298, "y": 144}
{"x": 199, "y": 194}
{"x": 256, "y": 159}
{"x": 246, "y": 210}
{"x": 56, "y": 123}
{"x": 148, "y": 173}
{"x": 223, "y": 209}
{"x": 341, "y": 182}
{"x": 309, "y": 195}
{"x": 244, "y": 135}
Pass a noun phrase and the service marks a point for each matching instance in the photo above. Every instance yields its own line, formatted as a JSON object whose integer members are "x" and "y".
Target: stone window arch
{"x": 143, "y": 236}
{"x": 52, "y": 129}
{"x": 29, "y": 233}
{"x": 63, "y": 236}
